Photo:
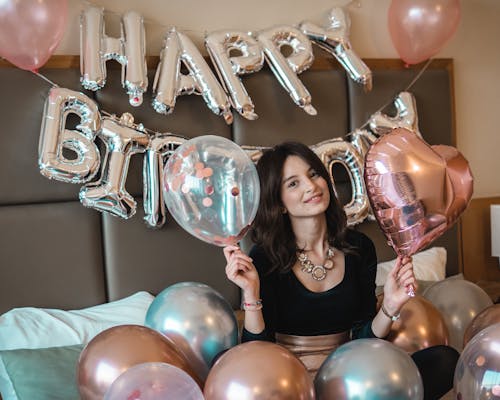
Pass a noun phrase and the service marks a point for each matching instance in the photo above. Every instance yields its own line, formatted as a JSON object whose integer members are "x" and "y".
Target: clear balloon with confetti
{"x": 212, "y": 190}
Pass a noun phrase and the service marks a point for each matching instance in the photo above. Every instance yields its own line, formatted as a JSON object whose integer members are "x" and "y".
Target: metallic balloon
{"x": 406, "y": 116}
{"x": 129, "y": 50}
{"x": 477, "y": 375}
{"x": 154, "y": 381}
{"x": 459, "y": 301}
{"x": 116, "y": 349}
{"x": 122, "y": 139}
{"x": 31, "y": 30}
{"x": 339, "y": 151}
{"x": 212, "y": 189}
{"x": 420, "y": 326}
{"x": 170, "y": 82}
{"x": 197, "y": 319}
{"x": 258, "y": 370}
{"x": 370, "y": 369}
{"x": 161, "y": 147}
{"x": 251, "y": 59}
{"x": 287, "y": 68}
{"x": 489, "y": 316}
{"x": 334, "y": 38}
{"x": 55, "y": 138}
{"x": 420, "y": 28}
{"x": 416, "y": 191}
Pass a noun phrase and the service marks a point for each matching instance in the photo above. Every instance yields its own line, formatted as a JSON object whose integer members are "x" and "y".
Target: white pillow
{"x": 33, "y": 328}
{"x": 428, "y": 265}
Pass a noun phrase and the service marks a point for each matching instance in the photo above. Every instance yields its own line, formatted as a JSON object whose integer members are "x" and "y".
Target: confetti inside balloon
{"x": 212, "y": 189}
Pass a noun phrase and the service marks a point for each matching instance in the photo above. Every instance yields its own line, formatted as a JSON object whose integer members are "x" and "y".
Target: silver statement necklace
{"x": 318, "y": 272}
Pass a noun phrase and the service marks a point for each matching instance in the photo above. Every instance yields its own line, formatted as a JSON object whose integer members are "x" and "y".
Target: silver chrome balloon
{"x": 334, "y": 38}
{"x": 459, "y": 301}
{"x": 368, "y": 369}
{"x": 199, "y": 321}
{"x": 251, "y": 59}
{"x": 286, "y": 69}
{"x": 169, "y": 82}
{"x": 122, "y": 139}
{"x": 161, "y": 147}
{"x": 55, "y": 138}
{"x": 406, "y": 116}
{"x": 129, "y": 50}
{"x": 339, "y": 151}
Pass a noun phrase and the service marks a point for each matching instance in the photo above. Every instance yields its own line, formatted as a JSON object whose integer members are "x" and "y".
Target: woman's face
{"x": 304, "y": 192}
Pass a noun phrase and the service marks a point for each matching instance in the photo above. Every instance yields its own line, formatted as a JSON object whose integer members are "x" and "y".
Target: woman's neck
{"x": 311, "y": 233}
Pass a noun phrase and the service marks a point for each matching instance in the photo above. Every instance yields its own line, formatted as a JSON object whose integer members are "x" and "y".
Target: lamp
{"x": 495, "y": 230}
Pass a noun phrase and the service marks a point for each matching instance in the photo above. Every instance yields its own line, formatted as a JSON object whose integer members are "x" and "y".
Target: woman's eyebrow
{"x": 289, "y": 178}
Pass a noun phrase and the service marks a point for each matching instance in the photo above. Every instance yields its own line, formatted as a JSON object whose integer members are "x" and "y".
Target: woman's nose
{"x": 309, "y": 185}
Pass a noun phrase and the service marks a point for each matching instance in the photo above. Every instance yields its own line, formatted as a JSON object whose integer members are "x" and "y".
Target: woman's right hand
{"x": 241, "y": 271}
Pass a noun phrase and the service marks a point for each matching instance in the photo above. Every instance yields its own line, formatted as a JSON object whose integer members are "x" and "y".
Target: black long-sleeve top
{"x": 290, "y": 308}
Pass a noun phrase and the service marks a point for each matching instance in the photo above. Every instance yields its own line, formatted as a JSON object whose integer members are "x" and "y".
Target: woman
{"x": 309, "y": 282}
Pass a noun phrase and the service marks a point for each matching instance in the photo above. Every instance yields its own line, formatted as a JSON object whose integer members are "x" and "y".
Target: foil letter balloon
{"x": 286, "y": 69}
{"x": 122, "y": 139}
{"x": 251, "y": 59}
{"x": 416, "y": 191}
{"x": 161, "y": 147}
{"x": 334, "y": 38}
{"x": 170, "y": 82}
{"x": 338, "y": 151}
{"x": 406, "y": 116}
{"x": 55, "y": 139}
{"x": 129, "y": 50}
{"x": 212, "y": 189}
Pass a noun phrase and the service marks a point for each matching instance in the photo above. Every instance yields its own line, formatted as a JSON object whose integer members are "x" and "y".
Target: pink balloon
{"x": 420, "y": 28}
{"x": 416, "y": 191}
{"x": 30, "y": 30}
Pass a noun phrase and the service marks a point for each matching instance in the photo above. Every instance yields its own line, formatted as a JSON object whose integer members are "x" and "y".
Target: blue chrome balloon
{"x": 199, "y": 321}
{"x": 369, "y": 369}
{"x": 211, "y": 188}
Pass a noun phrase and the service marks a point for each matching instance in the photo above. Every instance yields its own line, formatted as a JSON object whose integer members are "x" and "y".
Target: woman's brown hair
{"x": 272, "y": 229}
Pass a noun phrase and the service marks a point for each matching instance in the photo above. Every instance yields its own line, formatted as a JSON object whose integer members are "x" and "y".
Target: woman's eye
{"x": 314, "y": 174}
{"x": 292, "y": 184}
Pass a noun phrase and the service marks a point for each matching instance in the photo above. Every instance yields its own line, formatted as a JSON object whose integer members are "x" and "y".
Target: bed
{"x": 57, "y": 254}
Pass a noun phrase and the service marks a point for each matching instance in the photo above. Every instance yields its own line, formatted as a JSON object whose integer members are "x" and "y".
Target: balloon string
{"x": 410, "y": 85}
{"x": 45, "y": 78}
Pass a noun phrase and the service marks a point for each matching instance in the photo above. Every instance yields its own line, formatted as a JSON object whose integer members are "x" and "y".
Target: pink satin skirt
{"x": 312, "y": 350}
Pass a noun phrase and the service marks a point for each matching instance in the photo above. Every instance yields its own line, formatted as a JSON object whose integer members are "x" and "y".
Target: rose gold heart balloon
{"x": 416, "y": 191}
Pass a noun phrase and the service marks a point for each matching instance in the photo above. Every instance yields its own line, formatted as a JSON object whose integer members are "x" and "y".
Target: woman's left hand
{"x": 398, "y": 284}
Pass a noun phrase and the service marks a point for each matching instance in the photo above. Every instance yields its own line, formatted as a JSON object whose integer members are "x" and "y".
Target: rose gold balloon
{"x": 30, "y": 30}
{"x": 420, "y": 28}
{"x": 116, "y": 349}
{"x": 416, "y": 191}
{"x": 485, "y": 318}
{"x": 421, "y": 325}
{"x": 257, "y": 371}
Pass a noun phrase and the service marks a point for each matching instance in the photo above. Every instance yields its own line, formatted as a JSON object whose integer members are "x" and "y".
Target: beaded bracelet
{"x": 392, "y": 317}
{"x": 253, "y": 306}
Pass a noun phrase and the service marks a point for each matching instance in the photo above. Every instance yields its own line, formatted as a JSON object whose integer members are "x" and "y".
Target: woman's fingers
{"x": 228, "y": 250}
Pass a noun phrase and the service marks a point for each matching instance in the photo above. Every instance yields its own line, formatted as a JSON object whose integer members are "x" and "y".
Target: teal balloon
{"x": 368, "y": 369}
{"x": 211, "y": 188}
{"x": 197, "y": 319}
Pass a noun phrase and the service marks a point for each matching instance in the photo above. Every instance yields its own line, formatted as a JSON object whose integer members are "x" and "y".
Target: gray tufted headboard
{"x": 56, "y": 253}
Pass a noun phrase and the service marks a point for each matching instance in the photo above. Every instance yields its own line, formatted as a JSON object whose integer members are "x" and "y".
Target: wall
{"x": 474, "y": 49}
